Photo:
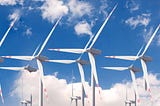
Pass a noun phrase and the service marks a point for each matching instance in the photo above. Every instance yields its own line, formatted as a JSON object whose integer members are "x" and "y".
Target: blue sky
{"x": 129, "y": 27}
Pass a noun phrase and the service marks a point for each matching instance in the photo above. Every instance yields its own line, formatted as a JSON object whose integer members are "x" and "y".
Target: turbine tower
{"x": 91, "y": 53}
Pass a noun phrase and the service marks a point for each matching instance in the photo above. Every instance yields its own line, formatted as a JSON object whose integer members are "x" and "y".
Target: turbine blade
{"x": 100, "y": 30}
{"x": 77, "y": 51}
{"x": 19, "y": 57}
{"x": 36, "y": 50}
{"x": 85, "y": 48}
{"x": 81, "y": 71}
{"x": 13, "y": 68}
{"x": 145, "y": 75}
{"x": 1, "y": 94}
{"x": 49, "y": 35}
{"x": 62, "y": 61}
{"x": 150, "y": 40}
{"x": 5, "y": 35}
{"x": 140, "y": 50}
{"x": 135, "y": 86}
{"x": 124, "y": 57}
{"x": 93, "y": 67}
{"x": 116, "y": 68}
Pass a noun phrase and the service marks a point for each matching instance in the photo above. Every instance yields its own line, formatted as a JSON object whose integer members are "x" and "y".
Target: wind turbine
{"x": 80, "y": 64}
{"x": 132, "y": 72}
{"x": 26, "y": 102}
{"x": 127, "y": 101}
{"x": 143, "y": 60}
{"x": 91, "y": 52}
{"x": 39, "y": 59}
{"x": 75, "y": 98}
{"x": 25, "y": 68}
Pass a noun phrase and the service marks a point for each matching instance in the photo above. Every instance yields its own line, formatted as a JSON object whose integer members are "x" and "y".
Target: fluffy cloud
{"x": 28, "y": 31}
{"x": 83, "y": 28}
{"x": 53, "y": 9}
{"x": 11, "y": 2}
{"x": 15, "y": 15}
{"x": 79, "y": 8}
{"x": 140, "y": 20}
{"x": 147, "y": 34}
{"x": 132, "y": 5}
{"x": 103, "y": 7}
{"x": 115, "y": 96}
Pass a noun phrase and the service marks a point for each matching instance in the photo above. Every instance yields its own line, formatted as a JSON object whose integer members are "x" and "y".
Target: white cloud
{"x": 28, "y": 31}
{"x": 140, "y": 20}
{"x": 83, "y": 28}
{"x": 115, "y": 96}
{"x": 53, "y": 9}
{"x": 147, "y": 34}
{"x": 103, "y": 7}
{"x": 11, "y": 2}
{"x": 132, "y": 5}
{"x": 79, "y": 9}
{"x": 15, "y": 15}
{"x": 7, "y": 2}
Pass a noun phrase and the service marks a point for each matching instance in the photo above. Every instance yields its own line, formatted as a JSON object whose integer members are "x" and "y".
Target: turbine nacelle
{"x": 42, "y": 58}
{"x": 30, "y": 69}
{"x": 146, "y": 58}
{"x": 134, "y": 69}
{"x": 130, "y": 102}
{"x": 76, "y": 98}
{"x": 82, "y": 62}
{"x": 25, "y": 102}
{"x": 94, "y": 51}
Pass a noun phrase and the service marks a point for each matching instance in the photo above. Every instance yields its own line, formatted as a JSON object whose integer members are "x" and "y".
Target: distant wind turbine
{"x": 91, "y": 52}
{"x": 130, "y": 102}
{"x": 143, "y": 60}
{"x": 26, "y": 102}
{"x": 75, "y": 98}
{"x": 39, "y": 59}
{"x": 132, "y": 72}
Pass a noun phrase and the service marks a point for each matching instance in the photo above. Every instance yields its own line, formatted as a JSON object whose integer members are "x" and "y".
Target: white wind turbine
{"x": 129, "y": 101}
{"x": 132, "y": 72}
{"x": 143, "y": 60}
{"x": 25, "y": 68}
{"x": 39, "y": 59}
{"x": 26, "y": 102}
{"x": 80, "y": 64}
{"x": 91, "y": 52}
{"x": 75, "y": 98}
